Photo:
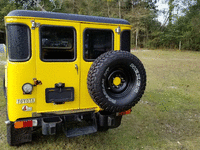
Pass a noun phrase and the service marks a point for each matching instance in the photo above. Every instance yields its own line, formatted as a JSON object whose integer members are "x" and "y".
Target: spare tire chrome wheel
{"x": 116, "y": 81}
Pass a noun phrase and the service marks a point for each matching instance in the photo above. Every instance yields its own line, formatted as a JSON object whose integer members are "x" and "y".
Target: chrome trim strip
{"x": 35, "y": 114}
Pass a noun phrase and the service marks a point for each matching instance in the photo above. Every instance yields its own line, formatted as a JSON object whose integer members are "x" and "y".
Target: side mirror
{"x": 2, "y": 48}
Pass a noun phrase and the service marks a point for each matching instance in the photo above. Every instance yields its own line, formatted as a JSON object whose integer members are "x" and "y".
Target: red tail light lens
{"x": 124, "y": 112}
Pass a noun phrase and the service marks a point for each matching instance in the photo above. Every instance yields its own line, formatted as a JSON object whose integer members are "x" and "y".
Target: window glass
{"x": 125, "y": 40}
{"x": 18, "y": 42}
{"x": 97, "y": 42}
{"x": 57, "y": 43}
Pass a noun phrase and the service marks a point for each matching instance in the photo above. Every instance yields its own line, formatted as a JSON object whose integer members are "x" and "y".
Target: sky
{"x": 162, "y": 6}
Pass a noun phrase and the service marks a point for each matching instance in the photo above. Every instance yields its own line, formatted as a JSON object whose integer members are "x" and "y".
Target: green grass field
{"x": 167, "y": 117}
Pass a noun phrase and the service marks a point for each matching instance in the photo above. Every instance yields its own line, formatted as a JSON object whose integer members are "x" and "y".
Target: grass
{"x": 167, "y": 117}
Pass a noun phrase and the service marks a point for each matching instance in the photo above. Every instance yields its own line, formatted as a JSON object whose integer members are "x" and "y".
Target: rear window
{"x": 97, "y": 42}
{"x": 125, "y": 40}
{"x": 57, "y": 43}
{"x": 18, "y": 42}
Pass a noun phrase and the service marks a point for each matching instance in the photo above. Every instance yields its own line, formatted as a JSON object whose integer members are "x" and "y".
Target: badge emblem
{"x": 25, "y": 101}
{"x": 26, "y": 108}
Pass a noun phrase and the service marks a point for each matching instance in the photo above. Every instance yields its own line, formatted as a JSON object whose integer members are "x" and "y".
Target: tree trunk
{"x": 38, "y": 5}
{"x": 136, "y": 38}
{"x": 73, "y": 6}
{"x": 120, "y": 9}
{"x": 108, "y": 9}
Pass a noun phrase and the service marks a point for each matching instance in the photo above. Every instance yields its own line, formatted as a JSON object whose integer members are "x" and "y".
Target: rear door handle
{"x": 76, "y": 67}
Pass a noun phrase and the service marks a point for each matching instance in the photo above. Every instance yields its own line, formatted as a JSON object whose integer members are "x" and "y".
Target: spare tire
{"x": 116, "y": 81}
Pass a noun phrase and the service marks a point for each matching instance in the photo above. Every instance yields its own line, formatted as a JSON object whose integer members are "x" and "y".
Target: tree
{"x": 171, "y": 8}
{"x": 140, "y": 13}
{"x": 5, "y": 8}
{"x": 140, "y": 16}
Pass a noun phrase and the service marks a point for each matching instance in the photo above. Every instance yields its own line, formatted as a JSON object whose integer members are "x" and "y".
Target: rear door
{"x": 97, "y": 39}
{"x": 57, "y": 65}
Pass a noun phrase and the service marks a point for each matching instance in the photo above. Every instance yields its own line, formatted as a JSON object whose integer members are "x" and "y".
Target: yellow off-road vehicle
{"x": 68, "y": 72}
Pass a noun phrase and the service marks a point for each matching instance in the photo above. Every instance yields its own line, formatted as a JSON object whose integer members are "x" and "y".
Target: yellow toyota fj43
{"x": 67, "y": 72}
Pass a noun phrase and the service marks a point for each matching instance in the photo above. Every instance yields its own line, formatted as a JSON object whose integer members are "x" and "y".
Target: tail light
{"x": 124, "y": 112}
{"x": 25, "y": 124}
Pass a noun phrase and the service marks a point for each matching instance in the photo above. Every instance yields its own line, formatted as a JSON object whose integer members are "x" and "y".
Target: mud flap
{"x": 110, "y": 121}
{"x": 18, "y": 136}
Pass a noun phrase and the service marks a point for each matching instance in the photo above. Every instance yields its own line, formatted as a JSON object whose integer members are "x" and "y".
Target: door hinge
{"x": 34, "y": 24}
{"x": 118, "y": 30}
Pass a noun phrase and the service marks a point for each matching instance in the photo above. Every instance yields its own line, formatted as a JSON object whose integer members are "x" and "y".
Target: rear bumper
{"x": 72, "y": 124}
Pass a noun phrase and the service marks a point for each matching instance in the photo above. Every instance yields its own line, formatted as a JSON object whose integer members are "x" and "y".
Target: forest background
{"x": 180, "y": 29}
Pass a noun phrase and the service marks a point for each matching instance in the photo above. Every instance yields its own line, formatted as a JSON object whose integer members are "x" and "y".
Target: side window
{"x": 57, "y": 43}
{"x": 18, "y": 42}
{"x": 97, "y": 42}
{"x": 125, "y": 40}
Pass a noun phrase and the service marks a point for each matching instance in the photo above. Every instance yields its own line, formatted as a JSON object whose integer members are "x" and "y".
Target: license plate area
{"x": 59, "y": 95}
